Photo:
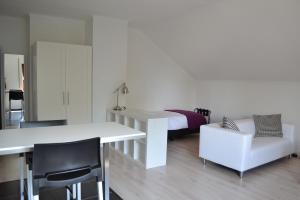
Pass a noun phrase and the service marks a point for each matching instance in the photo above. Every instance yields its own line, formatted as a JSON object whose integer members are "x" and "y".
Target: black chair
{"x": 16, "y": 95}
{"x": 28, "y": 156}
{"x": 66, "y": 164}
{"x": 205, "y": 112}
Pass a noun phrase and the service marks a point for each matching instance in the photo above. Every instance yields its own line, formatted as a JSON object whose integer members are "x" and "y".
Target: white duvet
{"x": 175, "y": 120}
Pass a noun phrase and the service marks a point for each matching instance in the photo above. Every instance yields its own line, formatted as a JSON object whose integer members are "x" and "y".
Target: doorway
{"x": 14, "y": 89}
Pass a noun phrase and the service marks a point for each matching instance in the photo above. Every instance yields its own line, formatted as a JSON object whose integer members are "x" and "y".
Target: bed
{"x": 182, "y": 122}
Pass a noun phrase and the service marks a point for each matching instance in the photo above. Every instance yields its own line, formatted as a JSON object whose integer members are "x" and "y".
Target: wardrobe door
{"x": 78, "y": 79}
{"x": 50, "y": 81}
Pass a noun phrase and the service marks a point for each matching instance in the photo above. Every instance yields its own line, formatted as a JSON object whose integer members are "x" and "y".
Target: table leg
{"x": 74, "y": 191}
{"x": 9, "y": 111}
{"x": 21, "y": 170}
{"x": 106, "y": 170}
{"x": 78, "y": 191}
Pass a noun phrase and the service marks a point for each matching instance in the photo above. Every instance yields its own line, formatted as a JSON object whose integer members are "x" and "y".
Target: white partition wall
{"x": 152, "y": 150}
{"x": 109, "y": 62}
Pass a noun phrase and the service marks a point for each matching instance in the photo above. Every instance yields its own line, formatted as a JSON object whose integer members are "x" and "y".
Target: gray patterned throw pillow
{"x": 229, "y": 124}
{"x": 268, "y": 125}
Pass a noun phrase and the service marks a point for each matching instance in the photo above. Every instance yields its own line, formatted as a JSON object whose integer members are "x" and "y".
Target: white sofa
{"x": 241, "y": 150}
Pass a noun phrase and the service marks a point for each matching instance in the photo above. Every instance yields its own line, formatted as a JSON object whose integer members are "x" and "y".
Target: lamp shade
{"x": 125, "y": 89}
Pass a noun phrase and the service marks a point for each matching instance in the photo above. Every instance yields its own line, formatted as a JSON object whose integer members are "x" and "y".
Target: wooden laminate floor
{"x": 10, "y": 191}
{"x": 185, "y": 178}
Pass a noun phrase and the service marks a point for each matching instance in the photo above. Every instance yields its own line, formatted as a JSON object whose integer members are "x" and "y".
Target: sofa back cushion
{"x": 268, "y": 125}
{"x": 229, "y": 124}
{"x": 246, "y": 125}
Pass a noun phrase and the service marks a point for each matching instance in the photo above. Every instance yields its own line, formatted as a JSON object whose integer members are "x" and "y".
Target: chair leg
{"x": 35, "y": 189}
{"x": 28, "y": 183}
{"x": 204, "y": 162}
{"x": 23, "y": 109}
{"x": 105, "y": 168}
{"x": 21, "y": 170}
{"x": 36, "y": 197}
{"x": 74, "y": 191}
{"x": 100, "y": 190}
{"x": 78, "y": 191}
{"x": 30, "y": 179}
{"x": 68, "y": 194}
{"x": 241, "y": 175}
{"x": 9, "y": 111}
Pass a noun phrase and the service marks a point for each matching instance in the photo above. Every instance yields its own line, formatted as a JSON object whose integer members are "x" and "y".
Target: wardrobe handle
{"x": 68, "y": 98}
{"x": 63, "y": 97}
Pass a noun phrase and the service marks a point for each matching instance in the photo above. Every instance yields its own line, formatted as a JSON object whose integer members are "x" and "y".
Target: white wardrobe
{"x": 62, "y": 82}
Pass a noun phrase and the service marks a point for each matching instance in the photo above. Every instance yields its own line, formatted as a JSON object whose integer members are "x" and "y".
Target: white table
{"x": 15, "y": 141}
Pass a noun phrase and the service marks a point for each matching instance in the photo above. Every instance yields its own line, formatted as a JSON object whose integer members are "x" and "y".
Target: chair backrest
{"x": 16, "y": 95}
{"x": 65, "y": 161}
{"x": 205, "y": 112}
{"x": 34, "y": 124}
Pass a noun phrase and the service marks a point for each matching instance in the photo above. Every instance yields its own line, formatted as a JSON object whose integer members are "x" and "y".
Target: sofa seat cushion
{"x": 267, "y": 149}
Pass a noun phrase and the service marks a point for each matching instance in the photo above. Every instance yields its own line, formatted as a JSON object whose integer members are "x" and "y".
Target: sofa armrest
{"x": 289, "y": 133}
{"x": 223, "y": 146}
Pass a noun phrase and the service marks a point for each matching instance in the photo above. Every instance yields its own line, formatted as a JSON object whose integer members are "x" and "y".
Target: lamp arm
{"x": 118, "y": 97}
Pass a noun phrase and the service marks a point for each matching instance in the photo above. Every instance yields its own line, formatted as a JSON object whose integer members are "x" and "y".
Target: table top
{"x": 13, "y": 141}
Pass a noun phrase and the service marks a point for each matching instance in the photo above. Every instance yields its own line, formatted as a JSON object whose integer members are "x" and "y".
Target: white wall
{"x": 13, "y": 70}
{"x": 56, "y": 29}
{"x": 89, "y": 32}
{"x": 155, "y": 81}
{"x": 13, "y": 35}
{"x": 9, "y": 168}
{"x": 242, "y": 99}
{"x": 109, "y": 62}
{"x": 13, "y": 40}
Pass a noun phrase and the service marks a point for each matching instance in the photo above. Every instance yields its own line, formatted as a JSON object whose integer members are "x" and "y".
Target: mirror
{"x": 13, "y": 90}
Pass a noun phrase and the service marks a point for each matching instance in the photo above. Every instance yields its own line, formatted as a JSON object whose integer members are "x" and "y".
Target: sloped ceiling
{"x": 235, "y": 40}
{"x": 211, "y": 39}
{"x": 136, "y": 11}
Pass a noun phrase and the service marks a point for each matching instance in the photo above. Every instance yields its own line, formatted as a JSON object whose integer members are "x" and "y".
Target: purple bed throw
{"x": 195, "y": 120}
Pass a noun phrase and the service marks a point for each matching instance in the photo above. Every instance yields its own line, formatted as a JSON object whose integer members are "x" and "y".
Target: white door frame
{"x": 2, "y": 91}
